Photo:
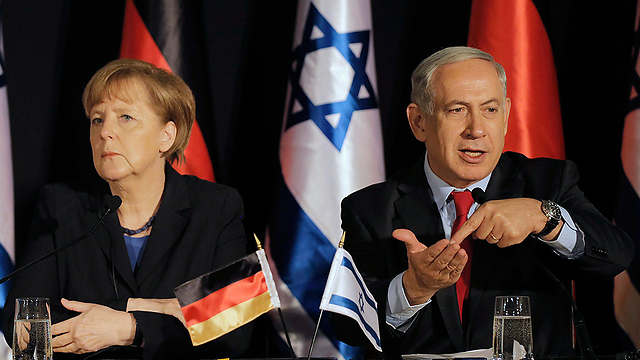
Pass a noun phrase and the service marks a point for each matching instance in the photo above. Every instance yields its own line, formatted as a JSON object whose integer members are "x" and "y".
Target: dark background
{"x": 52, "y": 47}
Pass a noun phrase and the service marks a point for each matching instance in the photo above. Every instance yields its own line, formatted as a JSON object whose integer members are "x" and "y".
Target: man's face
{"x": 465, "y": 134}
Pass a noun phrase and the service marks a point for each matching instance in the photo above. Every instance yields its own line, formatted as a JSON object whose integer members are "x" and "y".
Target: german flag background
{"x": 238, "y": 59}
{"x": 221, "y": 301}
{"x": 513, "y": 32}
{"x": 169, "y": 35}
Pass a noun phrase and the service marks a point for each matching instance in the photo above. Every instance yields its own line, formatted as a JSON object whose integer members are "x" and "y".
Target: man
{"x": 437, "y": 295}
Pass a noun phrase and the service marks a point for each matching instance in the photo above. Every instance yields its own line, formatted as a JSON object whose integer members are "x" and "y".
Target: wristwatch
{"x": 552, "y": 211}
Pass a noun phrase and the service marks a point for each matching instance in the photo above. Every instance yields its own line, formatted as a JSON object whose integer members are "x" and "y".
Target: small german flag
{"x": 225, "y": 299}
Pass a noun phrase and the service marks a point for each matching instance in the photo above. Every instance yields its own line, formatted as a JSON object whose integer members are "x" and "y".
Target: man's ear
{"x": 169, "y": 134}
{"x": 417, "y": 121}
{"x": 507, "y": 111}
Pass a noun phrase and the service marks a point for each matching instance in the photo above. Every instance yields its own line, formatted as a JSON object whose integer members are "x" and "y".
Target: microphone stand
{"x": 55, "y": 251}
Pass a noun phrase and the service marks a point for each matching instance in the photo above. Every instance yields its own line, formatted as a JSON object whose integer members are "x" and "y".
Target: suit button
{"x": 599, "y": 251}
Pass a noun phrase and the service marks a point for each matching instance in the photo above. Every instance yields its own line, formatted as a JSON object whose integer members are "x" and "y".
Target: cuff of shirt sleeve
{"x": 570, "y": 241}
{"x": 399, "y": 313}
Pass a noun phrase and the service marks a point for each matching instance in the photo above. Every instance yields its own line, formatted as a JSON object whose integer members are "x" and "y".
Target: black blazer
{"x": 370, "y": 215}
{"x": 197, "y": 229}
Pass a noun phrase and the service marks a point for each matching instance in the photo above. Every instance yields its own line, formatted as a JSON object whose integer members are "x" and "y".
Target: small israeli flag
{"x": 347, "y": 294}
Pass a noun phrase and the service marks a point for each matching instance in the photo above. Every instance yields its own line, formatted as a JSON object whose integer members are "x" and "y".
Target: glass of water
{"x": 512, "y": 338}
{"x": 32, "y": 329}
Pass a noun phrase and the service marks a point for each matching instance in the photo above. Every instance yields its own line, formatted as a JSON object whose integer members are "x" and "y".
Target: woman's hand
{"x": 97, "y": 327}
{"x": 163, "y": 306}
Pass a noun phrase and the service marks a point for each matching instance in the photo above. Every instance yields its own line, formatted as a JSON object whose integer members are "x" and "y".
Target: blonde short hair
{"x": 170, "y": 96}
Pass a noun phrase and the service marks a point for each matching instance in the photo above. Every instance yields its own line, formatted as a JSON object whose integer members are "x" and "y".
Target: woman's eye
{"x": 126, "y": 117}
{"x": 96, "y": 121}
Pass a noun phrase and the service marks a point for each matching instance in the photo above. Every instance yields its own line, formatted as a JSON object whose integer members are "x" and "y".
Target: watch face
{"x": 552, "y": 210}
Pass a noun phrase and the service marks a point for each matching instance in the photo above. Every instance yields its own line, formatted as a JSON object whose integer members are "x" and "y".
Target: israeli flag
{"x": 331, "y": 146}
{"x": 347, "y": 294}
{"x": 6, "y": 192}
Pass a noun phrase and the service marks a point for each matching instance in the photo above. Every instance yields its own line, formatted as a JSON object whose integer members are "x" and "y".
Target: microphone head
{"x": 113, "y": 203}
{"x": 478, "y": 196}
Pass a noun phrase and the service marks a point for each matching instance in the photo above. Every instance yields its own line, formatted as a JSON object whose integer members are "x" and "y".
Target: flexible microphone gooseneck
{"x": 584, "y": 344}
{"x": 112, "y": 204}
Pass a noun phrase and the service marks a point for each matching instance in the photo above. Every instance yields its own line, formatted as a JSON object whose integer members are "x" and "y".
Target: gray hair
{"x": 422, "y": 91}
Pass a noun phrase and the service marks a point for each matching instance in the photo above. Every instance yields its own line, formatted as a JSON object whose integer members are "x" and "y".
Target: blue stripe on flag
{"x": 303, "y": 256}
{"x": 349, "y": 304}
{"x": 347, "y": 263}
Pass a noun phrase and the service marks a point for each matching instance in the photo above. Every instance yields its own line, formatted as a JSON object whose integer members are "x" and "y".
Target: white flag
{"x": 347, "y": 294}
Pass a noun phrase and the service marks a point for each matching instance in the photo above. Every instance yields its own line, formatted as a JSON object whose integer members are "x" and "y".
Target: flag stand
{"x": 286, "y": 334}
{"x": 315, "y": 333}
{"x": 284, "y": 325}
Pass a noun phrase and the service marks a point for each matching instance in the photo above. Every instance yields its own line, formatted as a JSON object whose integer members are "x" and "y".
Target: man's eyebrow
{"x": 461, "y": 102}
{"x": 494, "y": 100}
{"x": 457, "y": 102}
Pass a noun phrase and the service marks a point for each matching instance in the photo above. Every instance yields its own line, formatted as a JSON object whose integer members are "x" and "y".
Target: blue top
{"x": 135, "y": 248}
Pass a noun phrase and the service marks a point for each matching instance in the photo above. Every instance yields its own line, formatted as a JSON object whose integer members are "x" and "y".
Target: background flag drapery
{"x": 626, "y": 296}
{"x": 347, "y": 294}
{"x": 514, "y": 34}
{"x": 156, "y": 34}
{"x": 331, "y": 145}
{"x": 7, "y": 253}
{"x": 223, "y": 300}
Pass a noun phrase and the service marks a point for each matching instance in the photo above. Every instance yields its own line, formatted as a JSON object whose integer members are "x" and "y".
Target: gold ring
{"x": 493, "y": 237}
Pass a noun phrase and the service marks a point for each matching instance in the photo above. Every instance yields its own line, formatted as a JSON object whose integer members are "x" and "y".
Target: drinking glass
{"x": 32, "y": 329}
{"x": 512, "y": 338}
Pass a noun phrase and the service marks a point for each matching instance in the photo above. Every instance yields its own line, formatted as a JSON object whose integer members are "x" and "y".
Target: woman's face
{"x": 128, "y": 137}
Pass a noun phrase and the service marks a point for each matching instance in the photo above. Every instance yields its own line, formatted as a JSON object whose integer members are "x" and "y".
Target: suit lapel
{"x": 110, "y": 239}
{"x": 503, "y": 185}
{"x": 418, "y": 212}
{"x": 416, "y": 208}
{"x": 172, "y": 217}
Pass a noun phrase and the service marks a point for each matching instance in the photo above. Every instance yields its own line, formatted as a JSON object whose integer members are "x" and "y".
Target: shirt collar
{"x": 441, "y": 189}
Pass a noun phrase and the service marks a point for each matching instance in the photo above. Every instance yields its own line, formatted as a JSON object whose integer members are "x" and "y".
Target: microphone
{"x": 478, "y": 196}
{"x": 112, "y": 204}
{"x": 584, "y": 344}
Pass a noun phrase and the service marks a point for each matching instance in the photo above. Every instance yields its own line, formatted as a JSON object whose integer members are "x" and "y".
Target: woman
{"x": 114, "y": 289}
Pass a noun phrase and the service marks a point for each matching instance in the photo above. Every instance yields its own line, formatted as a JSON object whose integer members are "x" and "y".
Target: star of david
{"x": 361, "y": 302}
{"x": 360, "y": 93}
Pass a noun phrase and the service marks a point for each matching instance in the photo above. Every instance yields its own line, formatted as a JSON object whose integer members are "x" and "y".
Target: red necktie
{"x": 463, "y": 202}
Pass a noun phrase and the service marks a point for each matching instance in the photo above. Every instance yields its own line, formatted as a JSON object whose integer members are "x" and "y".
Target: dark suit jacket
{"x": 197, "y": 229}
{"x": 370, "y": 215}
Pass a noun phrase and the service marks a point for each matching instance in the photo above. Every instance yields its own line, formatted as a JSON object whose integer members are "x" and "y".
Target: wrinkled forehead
{"x": 467, "y": 77}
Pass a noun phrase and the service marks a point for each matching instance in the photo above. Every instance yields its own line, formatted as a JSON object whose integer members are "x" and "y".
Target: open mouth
{"x": 473, "y": 153}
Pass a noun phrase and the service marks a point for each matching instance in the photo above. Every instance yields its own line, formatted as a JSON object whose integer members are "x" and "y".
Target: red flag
{"x": 513, "y": 33}
{"x": 138, "y": 43}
